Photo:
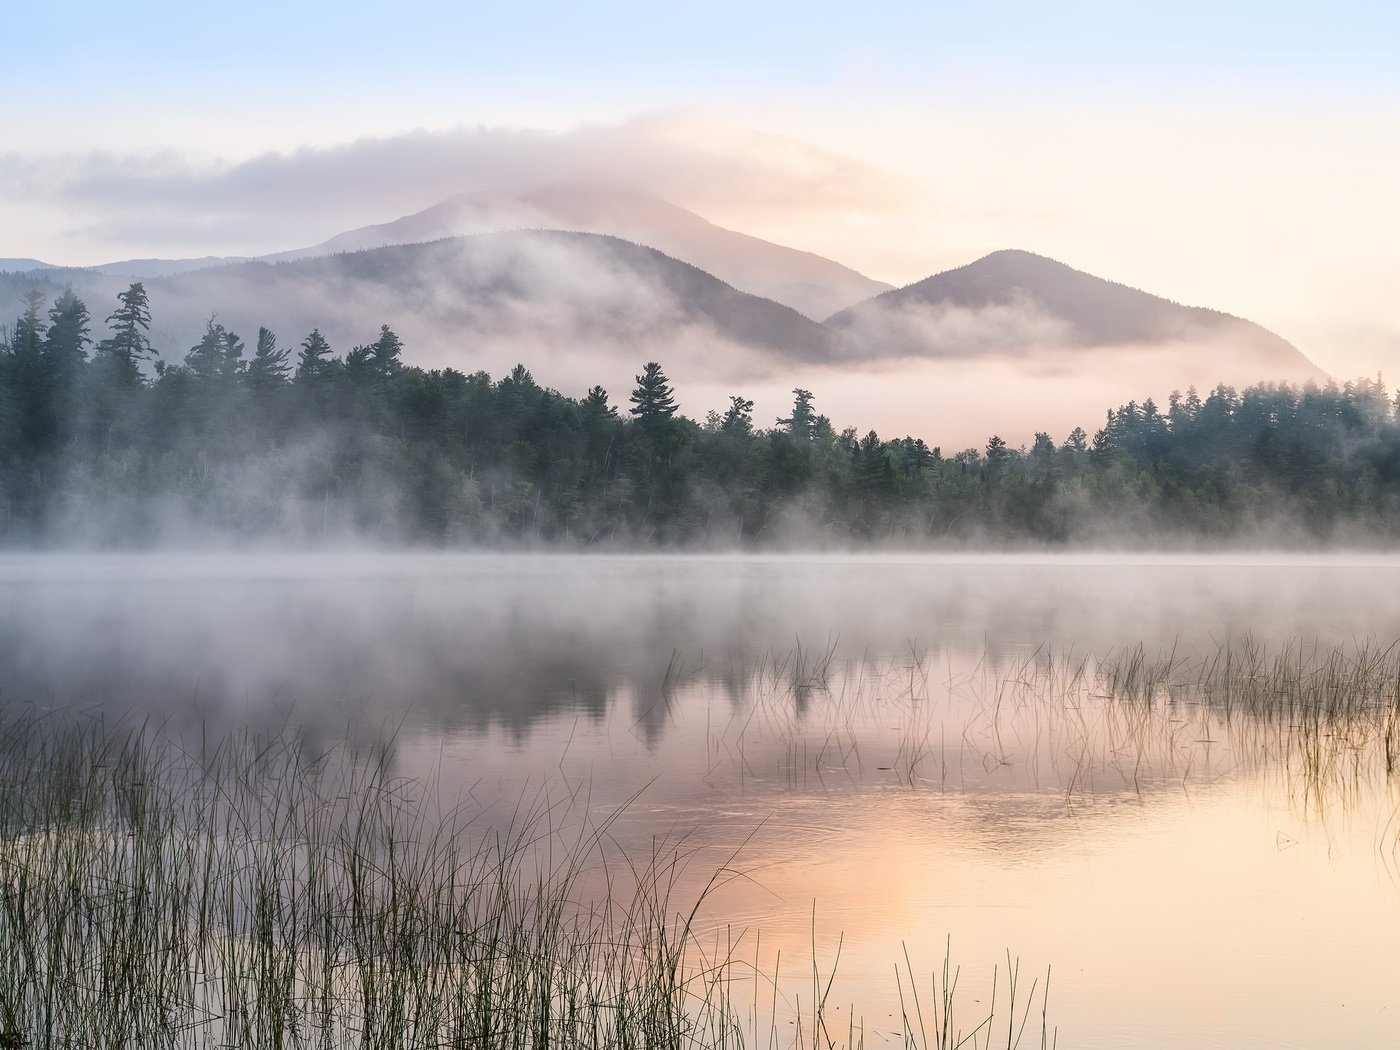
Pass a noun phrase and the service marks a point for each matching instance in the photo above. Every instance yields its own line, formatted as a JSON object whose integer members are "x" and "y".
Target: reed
{"x": 255, "y": 894}
{"x": 1325, "y": 718}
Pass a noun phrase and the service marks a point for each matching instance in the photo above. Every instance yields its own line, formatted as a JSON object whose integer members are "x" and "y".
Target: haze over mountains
{"x": 808, "y": 283}
{"x": 631, "y": 278}
{"x": 577, "y": 308}
{"x": 1017, "y": 302}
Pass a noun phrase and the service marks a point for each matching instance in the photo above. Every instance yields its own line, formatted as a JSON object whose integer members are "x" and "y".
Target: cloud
{"x": 149, "y": 203}
{"x": 1018, "y": 327}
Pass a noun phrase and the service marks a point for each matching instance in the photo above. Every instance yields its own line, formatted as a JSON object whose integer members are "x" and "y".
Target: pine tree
{"x": 874, "y": 473}
{"x": 998, "y": 456}
{"x": 28, "y": 376}
{"x": 595, "y": 405}
{"x": 231, "y": 360}
{"x": 738, "y": 419}
{"x": 314, "y": 360}
{"x": 65, "y": 354}
{"x": 205, "y": 358}
{"x": 653, "y": 401}
{"x": 385, "y": 351}
{"x": 269, "y": 367}
{"x": 802, "y": 423}
{"x": 1043, "y": 457}
{"x": 128, "y": 344}
{"x": 68, "y": 337}
{"x": 359, "y": 363}
{"x": 600, "y": 427}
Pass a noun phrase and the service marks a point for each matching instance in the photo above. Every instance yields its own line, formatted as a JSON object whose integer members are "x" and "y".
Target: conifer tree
{"x": 205, "y": 358}
{"x": 998, "y": 456}
{"x": 269, "y": 367}
{"x": 314, "y": 360}
{"x": 30, "y": 396}
{"x": 68, "y": 337}
{"x": 385, "y": 352}
{"x": 128, "y": 344}
{"x": 802, "y": 424}
{"x": 653, "y": 401}
{"x": 596, "y": 407}
{"x": 738, "y": 418}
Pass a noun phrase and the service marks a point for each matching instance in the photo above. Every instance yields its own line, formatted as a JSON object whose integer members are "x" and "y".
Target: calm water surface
{"x": 891, "y": 753}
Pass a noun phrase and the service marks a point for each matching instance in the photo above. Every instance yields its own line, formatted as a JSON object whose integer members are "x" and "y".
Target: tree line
{"x": 103, "y": 442}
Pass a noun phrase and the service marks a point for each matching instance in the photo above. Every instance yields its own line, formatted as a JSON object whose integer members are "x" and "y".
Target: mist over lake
{"x": 519, "y": 638}
{"x": 934, "y": 755}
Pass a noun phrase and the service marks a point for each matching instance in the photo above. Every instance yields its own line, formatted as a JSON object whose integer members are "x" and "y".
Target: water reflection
{"x": 1050, "y": 755}
{"x": 469, "y": 640}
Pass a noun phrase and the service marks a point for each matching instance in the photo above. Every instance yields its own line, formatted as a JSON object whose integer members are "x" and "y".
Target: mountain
{"x": 144, "y": 269}
{"x": 1009, "y": 344}
{"x": 808, "y": 283}
{"x": 1020, "y": 304}
{"x": 24, "y": 265}
{"x": 133, "y": 269}
{"x": 578, "y": 307}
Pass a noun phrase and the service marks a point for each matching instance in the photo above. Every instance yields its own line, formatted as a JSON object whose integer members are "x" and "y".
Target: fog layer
{"x": 463, "y": 640}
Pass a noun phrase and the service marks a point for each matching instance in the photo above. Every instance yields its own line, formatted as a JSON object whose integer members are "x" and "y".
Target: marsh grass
{"x": 159, "y": 890}
{"x": 1326, "y": 719}
{"x": 262, "y": 897}
{"x": 157, "y": 894}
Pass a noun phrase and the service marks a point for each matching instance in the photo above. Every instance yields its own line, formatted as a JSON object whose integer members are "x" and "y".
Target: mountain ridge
{"x": 615, "y": 293}
{"x": 1048, "y": 304}
{"x": 481, "y": 301}
{"x": 805, "y": 281}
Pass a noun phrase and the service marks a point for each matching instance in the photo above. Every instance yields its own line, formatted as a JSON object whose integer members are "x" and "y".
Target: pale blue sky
{"x": 683, "y": 54}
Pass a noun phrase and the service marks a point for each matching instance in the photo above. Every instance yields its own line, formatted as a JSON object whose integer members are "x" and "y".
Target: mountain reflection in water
{"x": 1038, "y": 754}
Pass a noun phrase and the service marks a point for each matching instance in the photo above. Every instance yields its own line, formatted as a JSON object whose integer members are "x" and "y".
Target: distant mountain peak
{"x": 573, "y": 298}
{"x": 1020, "y": 254}
{"x": 806, "y": 282}
{"x": 812, "y": 285}
{"x": 24, "y": 265}
{"x": 1015, "y": 302}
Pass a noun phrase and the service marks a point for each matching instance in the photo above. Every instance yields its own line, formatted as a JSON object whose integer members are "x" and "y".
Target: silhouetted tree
{"x": 29, "y": 378}
{"x": 66, "y": 345}
{"x": 268, "y": 368}
{"x": 802, "y": 423}
{"x": 738, "y": 418}
{"x": 653, "y": 401}
{"x": 386, "y": 351}
{"x": 998, "y": 457}
{"x": 314, "y": 361}
{"x": 128, "y": 345}
{"x": 216, "y": 354}
{"x": 874, "y": 474}
{"x": 595, "y": 405}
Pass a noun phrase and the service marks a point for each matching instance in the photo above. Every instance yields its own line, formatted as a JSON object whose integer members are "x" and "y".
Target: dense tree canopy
{"x": 230, "y": 445}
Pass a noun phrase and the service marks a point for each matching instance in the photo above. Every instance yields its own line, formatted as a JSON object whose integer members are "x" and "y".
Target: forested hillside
{"x": 269, "y": 440}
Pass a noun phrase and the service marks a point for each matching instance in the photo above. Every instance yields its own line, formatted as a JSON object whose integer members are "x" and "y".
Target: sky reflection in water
{"x": 900, "y": 750}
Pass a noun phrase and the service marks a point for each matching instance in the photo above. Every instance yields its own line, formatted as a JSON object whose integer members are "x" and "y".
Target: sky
{"x": 1241, "y": 156}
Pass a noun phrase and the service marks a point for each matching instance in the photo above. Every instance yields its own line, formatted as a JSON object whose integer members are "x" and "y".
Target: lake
{"x": 1094, "y": 767}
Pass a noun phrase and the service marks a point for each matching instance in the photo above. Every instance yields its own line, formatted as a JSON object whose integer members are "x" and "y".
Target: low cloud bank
{"x": 166, "y": 203}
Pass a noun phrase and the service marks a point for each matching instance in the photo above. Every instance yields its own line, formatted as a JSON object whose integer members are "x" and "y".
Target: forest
{"x": 105, "y": 443}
